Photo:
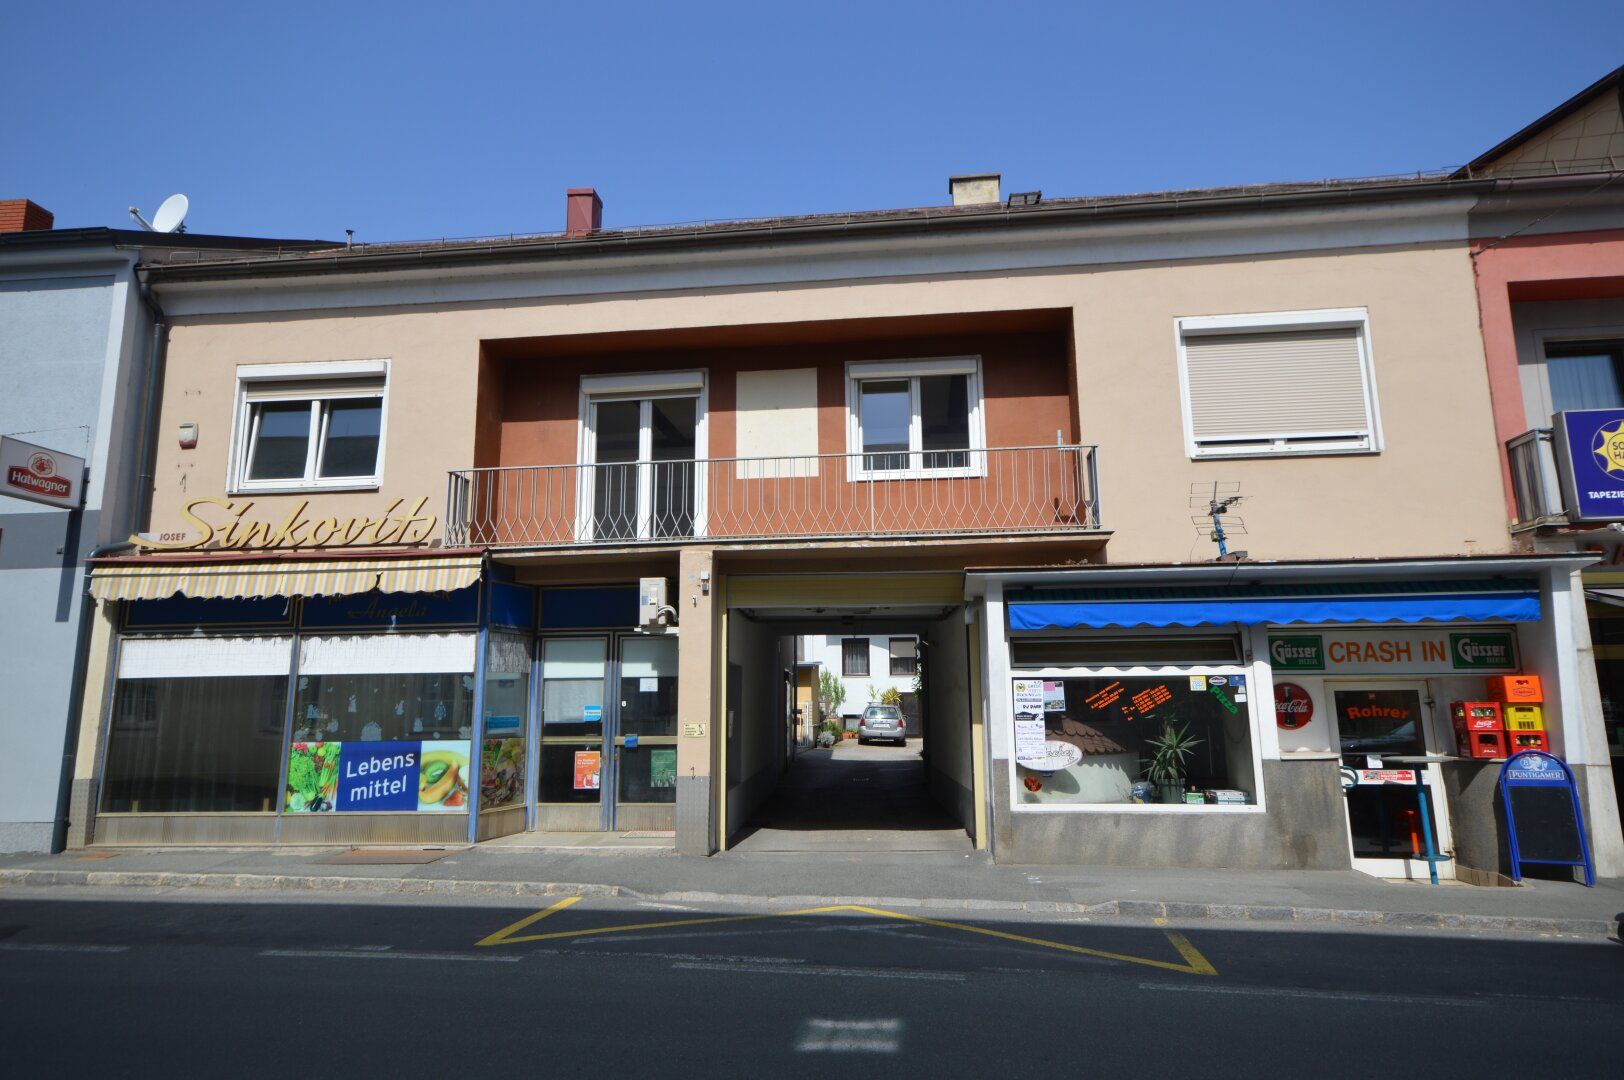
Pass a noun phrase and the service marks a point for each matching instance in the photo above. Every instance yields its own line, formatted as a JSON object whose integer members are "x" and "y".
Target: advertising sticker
{"x": 587, "y": 769}
{"x": 662, "y": 769}
{"x": 377, "y": 776}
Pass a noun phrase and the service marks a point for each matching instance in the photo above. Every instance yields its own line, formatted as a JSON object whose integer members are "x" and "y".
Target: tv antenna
{"x": 1216, "y": 519}
{"x": 170, "y": 218}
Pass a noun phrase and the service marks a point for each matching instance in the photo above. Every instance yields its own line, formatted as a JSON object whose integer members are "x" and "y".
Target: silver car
{"x": 883, "y": 722}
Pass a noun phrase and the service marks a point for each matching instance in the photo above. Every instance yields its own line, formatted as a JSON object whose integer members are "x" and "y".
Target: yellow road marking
{"x": 1194, "y": 962}
{"x": 503, "y": 936}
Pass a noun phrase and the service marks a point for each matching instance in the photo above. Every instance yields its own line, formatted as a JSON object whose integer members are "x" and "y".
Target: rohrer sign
{"x": 41, "y": 475}
{"x": 1406, "y": 650}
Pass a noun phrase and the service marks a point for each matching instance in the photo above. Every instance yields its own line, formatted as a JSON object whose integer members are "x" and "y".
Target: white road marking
{"x": 850, "y": 972}
{"x": 356, "y": 954}
{"x": 1322, "y": 995}
{"x": 19, "y": 946}
{"x": 850, "y": 1036}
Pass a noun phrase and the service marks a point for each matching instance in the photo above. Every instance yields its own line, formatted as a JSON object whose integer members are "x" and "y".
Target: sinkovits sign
{"x": 224, "y": 523}
{"x": 1589, "y": 445}
{"x": 40, "y": 475}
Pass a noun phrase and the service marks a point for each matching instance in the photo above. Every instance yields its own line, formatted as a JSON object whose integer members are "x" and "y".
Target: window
{"x": 310, "y": 425}
{"x": 854, "y": 657}
{"x": 1175, "y": 739}
{"x": 915, "y": 418}
{"x": 1282, "y": 383}
{"x": 197, "y": 725}
{"x": 1585, "y": 375}
{"x": 904, "y": 655}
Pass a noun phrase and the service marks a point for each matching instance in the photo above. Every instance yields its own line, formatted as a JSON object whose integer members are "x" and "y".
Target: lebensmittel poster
{"x": 588, "y": 768}
{"x": 377, "y": 776}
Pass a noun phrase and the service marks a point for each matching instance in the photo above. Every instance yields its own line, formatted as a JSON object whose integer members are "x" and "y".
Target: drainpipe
{"x": 143, "y": 503}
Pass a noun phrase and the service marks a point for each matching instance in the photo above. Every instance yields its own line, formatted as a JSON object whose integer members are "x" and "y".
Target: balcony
{"x": 1030, "y": 490}
{"x": 1534, "y": 480}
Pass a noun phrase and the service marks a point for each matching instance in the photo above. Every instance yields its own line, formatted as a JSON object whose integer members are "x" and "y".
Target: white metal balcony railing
{"x": 1027, "y": 489}
{"x": 1534, "y": 480}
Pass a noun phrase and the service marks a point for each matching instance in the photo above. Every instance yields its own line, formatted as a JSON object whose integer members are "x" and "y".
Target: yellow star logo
{"x": 1609, "y": 449}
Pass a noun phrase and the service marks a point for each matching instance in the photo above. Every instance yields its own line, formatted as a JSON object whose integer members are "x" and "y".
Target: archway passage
{"x": 836, "y": 775}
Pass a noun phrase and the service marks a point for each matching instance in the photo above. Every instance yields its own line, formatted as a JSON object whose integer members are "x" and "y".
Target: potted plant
{"x": 1170, "y": 751}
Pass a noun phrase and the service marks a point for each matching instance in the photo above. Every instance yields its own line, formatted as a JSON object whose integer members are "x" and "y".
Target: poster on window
{"x": 588, "y": 768}
{"x": 377, "y": 776}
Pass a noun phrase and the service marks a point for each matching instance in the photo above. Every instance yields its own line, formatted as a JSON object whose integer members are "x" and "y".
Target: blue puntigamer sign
{"x": 1590, "y": 458}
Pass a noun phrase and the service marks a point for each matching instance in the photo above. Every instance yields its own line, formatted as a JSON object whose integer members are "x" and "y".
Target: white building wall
{"x": 825, "y": 650}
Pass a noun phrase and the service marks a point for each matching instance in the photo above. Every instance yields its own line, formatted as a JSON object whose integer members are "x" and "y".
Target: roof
{"x": 1613, "y": 80}
{"x": 100, "y": 236}
{"x": 791, "y": 228}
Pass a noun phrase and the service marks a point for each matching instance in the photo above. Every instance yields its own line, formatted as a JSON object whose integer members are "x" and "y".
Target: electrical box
{"x": 1479, "y": 729}
{"x": 1524, "y": 689}
{"x": 651, "y": 597}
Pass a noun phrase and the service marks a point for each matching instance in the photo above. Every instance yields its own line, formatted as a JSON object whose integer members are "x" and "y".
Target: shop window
{"x": 1177, "y": 740}
{"x": 915, "y": 418}
{"x": 1281, "y": 383}
{"x": 904, "y": 657}
{"x": 854, "y": 658}
{"x": 382, "y": 722}
{"x": 502, "y": 757}
{"x": 1125, "y": 651}
{"x": 197, "y": 726}
{"x": 309, "y": 426}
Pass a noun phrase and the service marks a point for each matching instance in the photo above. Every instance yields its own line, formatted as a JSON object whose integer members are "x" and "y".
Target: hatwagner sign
{"x": 41, "y": 475}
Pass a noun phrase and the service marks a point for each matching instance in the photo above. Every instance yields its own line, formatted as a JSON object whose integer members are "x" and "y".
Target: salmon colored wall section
{"x": 1559, "y": 266}
{"x": 1026, "y": 388}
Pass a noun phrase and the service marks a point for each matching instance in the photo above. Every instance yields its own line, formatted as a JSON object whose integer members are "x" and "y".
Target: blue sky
{"x": 411, "y": 121}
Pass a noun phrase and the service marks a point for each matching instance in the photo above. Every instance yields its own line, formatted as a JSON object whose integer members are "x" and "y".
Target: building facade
{"x": 75, "y": 337}
{"x": 478, "y": 538}
{"x": 868, "y": 666}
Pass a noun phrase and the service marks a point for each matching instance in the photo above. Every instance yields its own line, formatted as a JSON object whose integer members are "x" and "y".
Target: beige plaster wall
{"x": 1435, "y": 488}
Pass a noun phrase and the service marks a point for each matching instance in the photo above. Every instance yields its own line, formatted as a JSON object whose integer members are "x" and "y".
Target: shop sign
{"x": 1589, "y": 446}
{"x": 225, "y": 524}
{"x": 40, "y": 475}
{"x": 1293, "y": 708}
{"x": 377, "y": 776}
{"x": 1397, "y": 650}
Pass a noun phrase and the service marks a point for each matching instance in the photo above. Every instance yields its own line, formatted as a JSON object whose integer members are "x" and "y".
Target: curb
{"x": 1128, "y": 909}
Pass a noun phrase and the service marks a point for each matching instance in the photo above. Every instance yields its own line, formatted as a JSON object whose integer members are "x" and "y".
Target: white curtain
{"x": 203, "y": 657}
{"x": 387, "y": 654}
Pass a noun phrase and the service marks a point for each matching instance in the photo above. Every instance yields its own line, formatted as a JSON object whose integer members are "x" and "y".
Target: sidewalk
{"x": 915, "y": 879}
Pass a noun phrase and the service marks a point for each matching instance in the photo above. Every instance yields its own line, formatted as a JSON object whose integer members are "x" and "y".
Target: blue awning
{"x": 1430, "y": 602}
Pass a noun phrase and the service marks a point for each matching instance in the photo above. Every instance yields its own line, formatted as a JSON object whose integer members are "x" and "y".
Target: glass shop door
{"x": 645, "y": 733}
{"x": 1390, "y": 764}
{"x": 573, "y": 721}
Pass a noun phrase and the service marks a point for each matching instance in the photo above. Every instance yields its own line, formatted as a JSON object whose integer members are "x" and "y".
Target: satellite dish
{"x": 171, "y": 215}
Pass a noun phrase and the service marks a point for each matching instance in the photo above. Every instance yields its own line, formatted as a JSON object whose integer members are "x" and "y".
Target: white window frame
{"x": 1269, "y": 444}
{"x": 861, "y": 371}
{"x": 645, "y": 386}
{"x": 257, "y": 384}
{"x": 1175, "y": 671}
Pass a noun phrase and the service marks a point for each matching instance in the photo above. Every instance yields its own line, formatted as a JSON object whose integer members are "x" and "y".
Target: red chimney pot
{"x": 584, "y": 213}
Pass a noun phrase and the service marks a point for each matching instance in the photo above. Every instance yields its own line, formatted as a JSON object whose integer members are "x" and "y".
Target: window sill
{"x": 1348, "y": 451}
{"x": 1132, "y": 808}
{"x": 306, "y": 489}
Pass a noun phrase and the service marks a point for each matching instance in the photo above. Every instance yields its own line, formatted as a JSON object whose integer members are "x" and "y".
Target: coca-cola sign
{"x": 1293, "y": 708}
{"x": 40, "y": 474}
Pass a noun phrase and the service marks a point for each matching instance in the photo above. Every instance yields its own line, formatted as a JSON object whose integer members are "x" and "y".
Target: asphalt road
{"x": 125, "y": 984}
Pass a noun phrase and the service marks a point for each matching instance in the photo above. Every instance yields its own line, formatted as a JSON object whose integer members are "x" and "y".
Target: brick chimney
{"x": 584, "y": 213}
{"x": 20, "y": 215}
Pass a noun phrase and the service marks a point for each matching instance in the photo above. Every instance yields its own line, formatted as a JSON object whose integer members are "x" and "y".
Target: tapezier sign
{"x": 41, "y": 475}
{"x": 225, "y": 523}
{"x": 1589, "y": 446}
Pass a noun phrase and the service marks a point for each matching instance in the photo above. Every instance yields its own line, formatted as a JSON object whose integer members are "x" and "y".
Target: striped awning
{"x": 336, "y": 577}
